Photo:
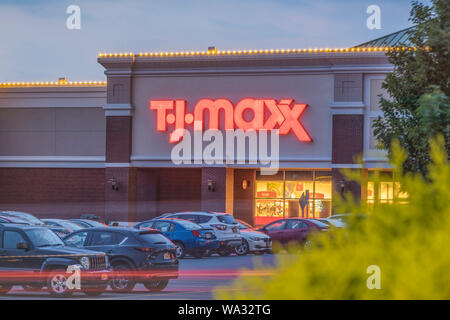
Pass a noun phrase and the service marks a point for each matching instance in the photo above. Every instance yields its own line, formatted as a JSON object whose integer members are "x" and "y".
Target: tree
{"x": 418, "y": 105}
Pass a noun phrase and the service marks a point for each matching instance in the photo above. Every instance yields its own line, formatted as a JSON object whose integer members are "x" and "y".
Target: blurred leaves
{"x": 408, "y": 241}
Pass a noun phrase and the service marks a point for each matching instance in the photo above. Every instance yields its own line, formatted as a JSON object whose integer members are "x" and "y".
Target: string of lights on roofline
{"x": 62, "y": 82}
{"x": 212, "y": 51}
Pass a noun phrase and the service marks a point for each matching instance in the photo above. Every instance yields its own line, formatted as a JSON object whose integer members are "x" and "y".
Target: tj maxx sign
{"x": 283, "y": 115}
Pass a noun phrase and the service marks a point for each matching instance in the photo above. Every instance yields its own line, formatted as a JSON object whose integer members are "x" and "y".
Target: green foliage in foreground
{"x": 409, "y": 242}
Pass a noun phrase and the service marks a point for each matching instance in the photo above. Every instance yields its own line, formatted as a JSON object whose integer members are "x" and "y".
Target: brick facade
{"x": 161, "y": 190}
{"x": 53, "y": 192}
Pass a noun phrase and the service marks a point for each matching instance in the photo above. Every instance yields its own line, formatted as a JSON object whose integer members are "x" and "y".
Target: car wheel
{"x": 4, "y": 288}
{"x": 156, "y": 285}
{"x": 208, "y": 253}
{"x": 121, "y": 282}
{"x": 225, "y": 252}
{"x": 180, "y": 251}
{"x": 242, "y": 250}
{"x": 57, "y": 284}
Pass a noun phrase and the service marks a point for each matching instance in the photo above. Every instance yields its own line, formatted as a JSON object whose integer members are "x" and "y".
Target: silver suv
{"x": 225, "y": 227}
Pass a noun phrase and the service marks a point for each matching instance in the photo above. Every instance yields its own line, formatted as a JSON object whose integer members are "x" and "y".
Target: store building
{"x": 69, "y": 148}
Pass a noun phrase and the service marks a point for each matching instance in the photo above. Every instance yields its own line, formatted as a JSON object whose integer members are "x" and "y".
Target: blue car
{"x": 189, "y": 237}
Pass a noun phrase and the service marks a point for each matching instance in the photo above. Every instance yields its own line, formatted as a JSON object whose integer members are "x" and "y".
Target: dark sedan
{"x": 135, "y": 255}
{"x": 295, "y": 230}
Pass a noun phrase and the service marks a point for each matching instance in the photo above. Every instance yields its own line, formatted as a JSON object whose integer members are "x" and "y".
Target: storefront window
{"x": 382, "y": 188}
{"x": 279, "y": 198}
{"x": 322, "y": 196}
{"x": 269, "y": 200}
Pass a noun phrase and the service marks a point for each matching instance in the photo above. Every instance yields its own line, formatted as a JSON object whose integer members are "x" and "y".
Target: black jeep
{"x": 35, "y": 257}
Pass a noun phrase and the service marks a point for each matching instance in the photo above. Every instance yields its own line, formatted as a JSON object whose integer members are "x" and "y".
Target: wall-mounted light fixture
{"x": 211, "y": 186}
{"x": 245, "y": 184}
{"x": 343, "y": 186}
{"x": 114, "y": 184}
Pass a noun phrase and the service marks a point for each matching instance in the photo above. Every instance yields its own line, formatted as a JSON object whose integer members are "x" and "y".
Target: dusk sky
{"x": 37, "y": 46}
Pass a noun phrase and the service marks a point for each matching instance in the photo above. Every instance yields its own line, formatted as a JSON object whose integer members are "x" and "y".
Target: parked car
{"x": 342, "y": 220}
{"x": 225, "y": 228}
{"x": 297, "y": 230}
{"x": 135, "y": 255}
{"x": 189, "y": 237}
{"x": 61, "y": 232}
{"x": 87, "y": 223}
{"x": 11, "y": 219}
{"x": 252, "y": 241}
{"x": 68, "y": 225}
{"x": 35, "y": 256}
{"x": 90, "y": 216}
{"x": 121, "y": 224}
{"x": 331, "y": 222}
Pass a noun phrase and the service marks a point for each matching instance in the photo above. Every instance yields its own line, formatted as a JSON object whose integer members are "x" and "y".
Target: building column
{"x": 217, "y": 189}
{"x": 120, "y": 177}
{"x": 348, "y": 132}
{"x": 243, "y": 203}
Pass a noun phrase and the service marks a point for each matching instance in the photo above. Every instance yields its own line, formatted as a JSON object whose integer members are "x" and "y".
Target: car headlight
{"x": 85, "y": 262}
{"x": 255, "y": 238}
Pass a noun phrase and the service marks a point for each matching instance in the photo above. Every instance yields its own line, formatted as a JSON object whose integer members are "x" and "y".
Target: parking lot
{"x": 198, "y": 280}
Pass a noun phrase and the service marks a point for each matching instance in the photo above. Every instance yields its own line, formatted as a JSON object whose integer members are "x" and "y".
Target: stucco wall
{"x": 52, "y": 122}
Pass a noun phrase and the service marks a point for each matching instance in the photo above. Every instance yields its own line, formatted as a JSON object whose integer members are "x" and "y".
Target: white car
{"x": 341, "y": 220}
{"x": 332, "y": 222}
{"x": 225, "y": 227}
{"x": 252, "y": 241}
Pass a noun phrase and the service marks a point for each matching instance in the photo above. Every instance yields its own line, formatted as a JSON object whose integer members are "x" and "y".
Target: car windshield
{"x": 319, "y": 223}
{"x": 95, "y": 223}
{"x": 188, "y": 225}
{"x": 69, "y": 225}
{"x": 27, "y": 216}
{"x": 14, "y": 220}
{"x": 43, "y": 237}
{"x": 226, "y": 218}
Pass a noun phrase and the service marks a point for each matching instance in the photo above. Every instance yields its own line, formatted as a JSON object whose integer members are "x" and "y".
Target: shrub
{"x": 408, "y": 242}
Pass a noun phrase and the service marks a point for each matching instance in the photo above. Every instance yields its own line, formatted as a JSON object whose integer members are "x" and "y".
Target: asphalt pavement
{"x": 198, "y": 280}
